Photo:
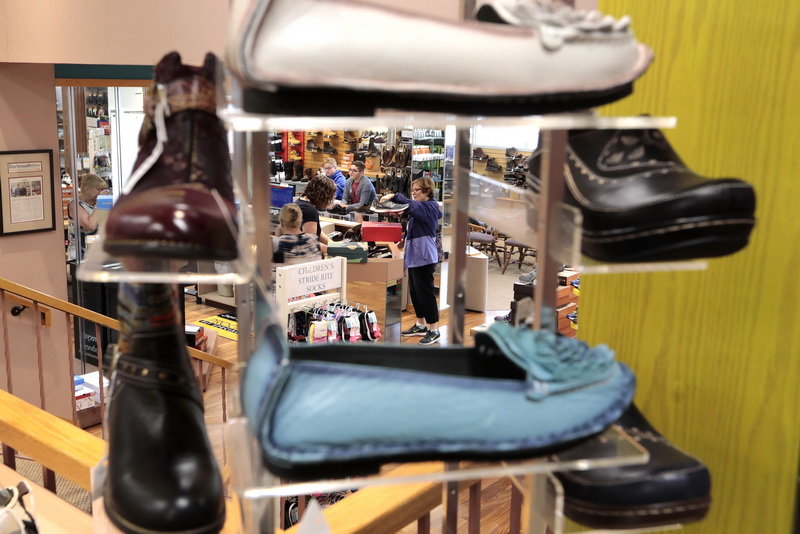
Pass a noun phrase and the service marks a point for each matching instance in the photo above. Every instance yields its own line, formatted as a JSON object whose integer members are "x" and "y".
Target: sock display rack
{"x": 542, "y": 220}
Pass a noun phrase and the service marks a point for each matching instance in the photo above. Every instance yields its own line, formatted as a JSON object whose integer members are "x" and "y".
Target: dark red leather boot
{"x": 178, "y": 202}
{"x": 162, "y": 476}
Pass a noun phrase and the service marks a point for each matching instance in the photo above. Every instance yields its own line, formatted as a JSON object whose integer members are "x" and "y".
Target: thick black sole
{"x": 128, "y": 527}
{"x": 636, "y": 516}
{"x": 155, "y": 250}
{"x": 372, "y": 466}
{"x": 675, "y": 242}
{"x": 318, "y": 102}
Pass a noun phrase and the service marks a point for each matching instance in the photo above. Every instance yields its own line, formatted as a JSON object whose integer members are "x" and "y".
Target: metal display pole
{"x": 554, "y": 146}
{"x": 457, "y": 264}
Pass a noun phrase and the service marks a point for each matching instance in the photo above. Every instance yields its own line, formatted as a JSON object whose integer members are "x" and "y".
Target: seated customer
{"x": 358, "y": 190}
{"x": 293, "y": 245}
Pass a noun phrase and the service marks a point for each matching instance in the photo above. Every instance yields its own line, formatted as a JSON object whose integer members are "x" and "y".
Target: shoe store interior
{"x": 249, "y": 285}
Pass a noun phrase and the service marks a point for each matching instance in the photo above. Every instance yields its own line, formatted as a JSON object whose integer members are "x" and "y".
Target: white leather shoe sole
{"x": 421, "y": 63}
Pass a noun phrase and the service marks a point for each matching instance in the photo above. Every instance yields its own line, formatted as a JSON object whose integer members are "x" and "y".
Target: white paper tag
{"x": 313, "y": 521}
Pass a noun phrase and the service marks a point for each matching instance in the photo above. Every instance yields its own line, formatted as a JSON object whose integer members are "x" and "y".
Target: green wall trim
{"x": 103, "y": 72}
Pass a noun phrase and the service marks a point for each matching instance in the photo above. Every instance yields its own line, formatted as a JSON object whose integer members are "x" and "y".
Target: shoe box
{"x": 565, "y": 277}
{"x": 565, "y": 325}
{"x": 353, "y": 252}
{"x": 382, "y": 232}
{"x": 565, "y": 295}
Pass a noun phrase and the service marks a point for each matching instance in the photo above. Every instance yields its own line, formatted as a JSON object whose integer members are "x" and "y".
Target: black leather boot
{"x": 288, "y": 171}
{"x": 162, "y": 476}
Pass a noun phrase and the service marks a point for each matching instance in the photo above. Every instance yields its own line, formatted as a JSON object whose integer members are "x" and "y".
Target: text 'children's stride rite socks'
{"x": 560, "y": 62}
{"x": 641, "y": 203}
{"x": 517, "y": 393}
{"x": 178, "y": 203}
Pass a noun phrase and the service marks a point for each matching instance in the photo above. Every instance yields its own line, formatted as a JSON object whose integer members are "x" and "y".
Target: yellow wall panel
{"x": 717, "y": 353}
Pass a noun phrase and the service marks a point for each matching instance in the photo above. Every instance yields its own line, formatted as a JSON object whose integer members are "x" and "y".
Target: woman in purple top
{"x": 421, "y": 257}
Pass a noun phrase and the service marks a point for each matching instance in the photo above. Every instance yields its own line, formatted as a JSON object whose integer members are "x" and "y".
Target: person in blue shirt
{"x": 421, "y": 257}
{"x": 331, "y": 170}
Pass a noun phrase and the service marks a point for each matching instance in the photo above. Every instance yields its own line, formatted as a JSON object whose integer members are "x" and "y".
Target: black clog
{"x": 672, "y": 487}
{"x": 641, "y": 203}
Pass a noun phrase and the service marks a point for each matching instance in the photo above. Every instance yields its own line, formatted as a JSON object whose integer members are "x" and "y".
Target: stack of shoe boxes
{"x": 567, "y": 303}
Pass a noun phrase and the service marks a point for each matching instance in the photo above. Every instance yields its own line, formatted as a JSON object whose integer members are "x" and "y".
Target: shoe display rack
{"x": 541, "y": 220}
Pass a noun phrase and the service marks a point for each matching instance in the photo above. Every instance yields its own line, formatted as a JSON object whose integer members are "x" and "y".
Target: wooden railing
{"x": 63, "y": 448}
{"x": 46, "y": 305}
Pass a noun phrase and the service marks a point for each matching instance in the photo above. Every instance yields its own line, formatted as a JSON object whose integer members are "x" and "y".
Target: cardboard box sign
{"x": 382, "y": 231}
{"x": 353, "y": 252}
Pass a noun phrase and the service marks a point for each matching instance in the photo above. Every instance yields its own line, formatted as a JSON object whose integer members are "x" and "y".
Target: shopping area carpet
{"x": 224, "y": 324}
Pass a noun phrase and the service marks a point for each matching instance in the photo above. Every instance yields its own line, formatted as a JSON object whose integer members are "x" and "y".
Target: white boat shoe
{"x": 545, "y": 60}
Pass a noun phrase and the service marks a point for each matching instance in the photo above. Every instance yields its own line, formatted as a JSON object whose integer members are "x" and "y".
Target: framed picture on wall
{"x": 26, "y": 192}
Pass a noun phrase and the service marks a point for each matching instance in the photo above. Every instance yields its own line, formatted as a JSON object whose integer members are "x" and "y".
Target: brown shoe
{"x": 493, "y": 166}
{"x": 479, "y": 154}
{"x": 181, "y": 205}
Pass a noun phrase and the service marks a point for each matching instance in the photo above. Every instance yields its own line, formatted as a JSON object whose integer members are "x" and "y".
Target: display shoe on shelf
{"x": 672, "y": 487}
{"x": 293, "y": 140}
{"x": 493, "y": 166}
{"x": 288, "y": 171}
{"x": 511, "y": 152}
{"x": 479, "y": 154}
{"x": 162, "y": 475}
{"x": 641, "y": 203}
{"x": 15, "y": 516}
{"x": 298, "y": 170}
{"x": 328, "y": 133}
{"x": 308, "y": 174}
{"x": 350, "y": 137}
{"x": 560, "y": 62}
{"x": 311, "y": 145}
{"x": 327, "y": 148}
{"x": 178, "y": 202}
{"x": 294, "y": 155}
{"x": 337, "y": 210}
{"x": 387, "y": 155}
{"x": 528, "y": 392}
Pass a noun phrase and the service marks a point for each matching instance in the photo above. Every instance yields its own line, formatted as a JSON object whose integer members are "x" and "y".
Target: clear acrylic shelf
{"x": 547, "y": 509}
{"x": 99, "y": 266}
{"x": 611, "y": 448}
{"x": 243, "y": 121}
{"x": 590, "y": 266}
{"x": 514, "y": 212}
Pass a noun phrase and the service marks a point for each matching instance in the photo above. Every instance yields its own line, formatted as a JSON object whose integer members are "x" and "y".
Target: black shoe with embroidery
{"x": 672, "y": 487}
{"x": 641, "y": 203}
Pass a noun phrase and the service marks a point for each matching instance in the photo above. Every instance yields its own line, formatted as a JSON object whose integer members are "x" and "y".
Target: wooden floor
{"x": 496, "y": 493}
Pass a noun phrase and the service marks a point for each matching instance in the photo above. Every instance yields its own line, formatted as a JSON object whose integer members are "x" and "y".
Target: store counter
{"x": 477, "y": 267}
{"x": 378, "y": 284}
